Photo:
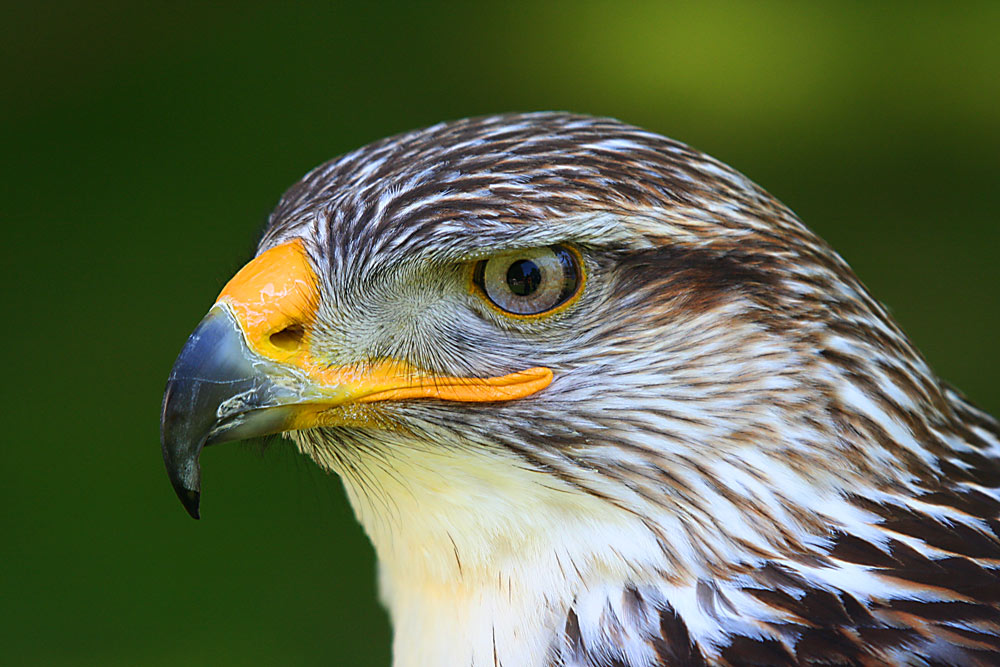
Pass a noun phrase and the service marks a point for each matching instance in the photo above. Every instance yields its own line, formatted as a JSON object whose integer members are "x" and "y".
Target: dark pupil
{"x": 523, "y": 277}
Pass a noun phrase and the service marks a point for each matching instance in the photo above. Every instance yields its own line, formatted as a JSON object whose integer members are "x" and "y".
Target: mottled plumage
{"x": 741, "y": 459}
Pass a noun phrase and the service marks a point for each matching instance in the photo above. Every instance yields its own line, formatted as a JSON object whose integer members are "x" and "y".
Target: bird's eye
{"x": 530, "y": 282}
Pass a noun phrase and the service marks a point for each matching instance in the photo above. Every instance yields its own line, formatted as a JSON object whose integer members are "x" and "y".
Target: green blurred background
{"x": 144, "y": 143}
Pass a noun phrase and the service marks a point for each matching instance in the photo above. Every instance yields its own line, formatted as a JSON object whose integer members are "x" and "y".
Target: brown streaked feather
{"x": 813, "y": 492}
{"x": 674, "y": 646}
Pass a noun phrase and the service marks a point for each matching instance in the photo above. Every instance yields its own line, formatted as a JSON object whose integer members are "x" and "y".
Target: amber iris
{"x": 530, "y": 282}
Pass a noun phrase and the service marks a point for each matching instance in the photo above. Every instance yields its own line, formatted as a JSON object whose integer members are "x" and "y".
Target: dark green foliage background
{"x": 143, "y": 144}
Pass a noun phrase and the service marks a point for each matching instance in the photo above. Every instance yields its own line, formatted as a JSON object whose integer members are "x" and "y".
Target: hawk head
{"x": 594, "y": 396}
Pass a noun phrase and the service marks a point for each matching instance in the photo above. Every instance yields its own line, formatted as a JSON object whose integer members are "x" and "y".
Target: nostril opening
{"x": 288, "y": 339}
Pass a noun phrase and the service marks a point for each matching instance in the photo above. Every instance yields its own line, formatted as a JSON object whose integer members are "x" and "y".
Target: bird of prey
{"x": 598, "y": 399}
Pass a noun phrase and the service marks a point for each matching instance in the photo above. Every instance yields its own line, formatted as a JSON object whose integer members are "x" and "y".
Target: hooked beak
{"x": 247, "y": 371}
{"x": 218, "y": 391}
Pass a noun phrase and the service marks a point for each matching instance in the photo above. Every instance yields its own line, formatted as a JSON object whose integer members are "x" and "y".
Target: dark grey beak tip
{"x": 185, "y": 477}
{"x": 190, "y": 499}
{"x": 181, "y": 446}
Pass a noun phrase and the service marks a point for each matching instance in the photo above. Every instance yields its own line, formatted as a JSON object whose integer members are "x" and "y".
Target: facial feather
{"x": 735, "y": 427}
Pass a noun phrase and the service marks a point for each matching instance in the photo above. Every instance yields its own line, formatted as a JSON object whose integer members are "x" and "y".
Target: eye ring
{"x": 530, "y": 283}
